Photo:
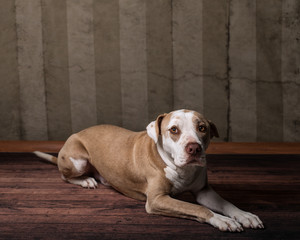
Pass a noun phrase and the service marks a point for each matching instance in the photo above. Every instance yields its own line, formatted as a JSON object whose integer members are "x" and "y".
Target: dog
{"x": 153, "y": 165}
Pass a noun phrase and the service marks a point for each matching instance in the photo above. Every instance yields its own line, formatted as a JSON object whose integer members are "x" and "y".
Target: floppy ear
{"x": 213, "y": 130}
{"x": 154, "y": 128}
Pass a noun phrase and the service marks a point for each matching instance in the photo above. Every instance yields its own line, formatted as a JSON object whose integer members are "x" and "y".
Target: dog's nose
{"x": 193, "y": 148}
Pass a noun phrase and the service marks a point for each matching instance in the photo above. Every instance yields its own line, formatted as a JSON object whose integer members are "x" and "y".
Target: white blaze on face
{"x": 175, "y": 145}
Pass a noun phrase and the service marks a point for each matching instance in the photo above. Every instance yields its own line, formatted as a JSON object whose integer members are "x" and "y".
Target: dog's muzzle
{"x": 195, "y": 154}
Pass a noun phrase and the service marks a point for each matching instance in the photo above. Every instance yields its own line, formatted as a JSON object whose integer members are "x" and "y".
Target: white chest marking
{"x": 183, "y": 179}
{"x": 79, "y": 164}
{"x": 188, "y": 179}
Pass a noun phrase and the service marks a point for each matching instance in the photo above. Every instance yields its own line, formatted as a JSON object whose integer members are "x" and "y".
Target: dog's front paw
{"x": 225, "y": 223}
{"x": 248, "y": 220}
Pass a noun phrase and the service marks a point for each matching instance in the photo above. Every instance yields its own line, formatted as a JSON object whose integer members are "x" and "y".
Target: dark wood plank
{"x": 254, "y": 148}
{"x": 36, "y": 204}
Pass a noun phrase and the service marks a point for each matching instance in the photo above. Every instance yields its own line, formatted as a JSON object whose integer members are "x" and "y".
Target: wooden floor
{"x": 36, "y": 204}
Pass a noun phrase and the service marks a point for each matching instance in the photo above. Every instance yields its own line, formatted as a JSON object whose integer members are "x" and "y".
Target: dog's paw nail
{"x": 261, "y": 226}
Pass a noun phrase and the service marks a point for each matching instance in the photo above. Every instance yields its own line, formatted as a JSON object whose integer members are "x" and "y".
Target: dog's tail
{"x": 46, "y": 156}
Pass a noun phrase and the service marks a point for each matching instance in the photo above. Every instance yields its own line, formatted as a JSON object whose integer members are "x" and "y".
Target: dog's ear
{"x": 154, "y": 128}
{"x": 213, "y": 130}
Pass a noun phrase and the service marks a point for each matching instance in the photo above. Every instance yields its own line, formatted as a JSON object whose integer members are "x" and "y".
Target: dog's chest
{"x": 187, "y": 179}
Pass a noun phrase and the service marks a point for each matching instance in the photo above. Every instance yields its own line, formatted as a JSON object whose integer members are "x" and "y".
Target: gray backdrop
{"x": 69, "y": 64}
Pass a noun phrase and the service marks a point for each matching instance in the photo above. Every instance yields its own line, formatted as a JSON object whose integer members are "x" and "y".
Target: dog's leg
{"x": 209, "y": 198}
{"x": 101, "y": 179}
{"x": 76, "y": 171}
{"x": 165, "y": 205}
{"x": 85, "y": 182}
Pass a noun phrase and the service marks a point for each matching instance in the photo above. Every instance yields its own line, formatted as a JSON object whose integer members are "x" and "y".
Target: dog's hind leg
{"x": 101, "y": 179}
{"x": 84, "y": 181}
{"x": 77, "y": 171}
{"x": 74, "y": 164}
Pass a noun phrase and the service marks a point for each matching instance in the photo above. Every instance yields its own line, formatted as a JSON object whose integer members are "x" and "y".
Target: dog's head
{"x": 184, "y": 135}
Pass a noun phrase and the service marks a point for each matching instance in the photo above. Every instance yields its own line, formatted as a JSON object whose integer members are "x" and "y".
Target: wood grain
{"x": 36, "y": 204}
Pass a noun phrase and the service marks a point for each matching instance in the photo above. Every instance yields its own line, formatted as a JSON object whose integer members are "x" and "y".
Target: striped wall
{"x": 66, "y": 65}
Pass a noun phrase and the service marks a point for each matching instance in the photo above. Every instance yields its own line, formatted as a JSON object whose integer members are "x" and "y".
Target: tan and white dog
{"x": 153, "y": 165}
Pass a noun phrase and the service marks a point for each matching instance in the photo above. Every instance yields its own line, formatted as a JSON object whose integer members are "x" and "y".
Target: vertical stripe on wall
{"x": 188, "y": 54}
{"x": 215, "y": 57}
{"x": 159, "y": 57}
{"x": 107, "y": 61}
{"x": 290, "y": 71}
{"x": 133, "y": 63}
{"x": 242, "y": 55}
{"x": 268, "y": 62}
{"x": 9, "y": 90}
{"x": 55, "y": 44}
{"x": 67, "y": 65}
{"x": 30, "y": 59}
{"x": 81, "y": 64}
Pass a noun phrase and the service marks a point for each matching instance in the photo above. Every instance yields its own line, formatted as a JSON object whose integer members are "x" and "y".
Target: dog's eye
{"x": 202, "y": 128}
{"x": 174, "y": 130}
